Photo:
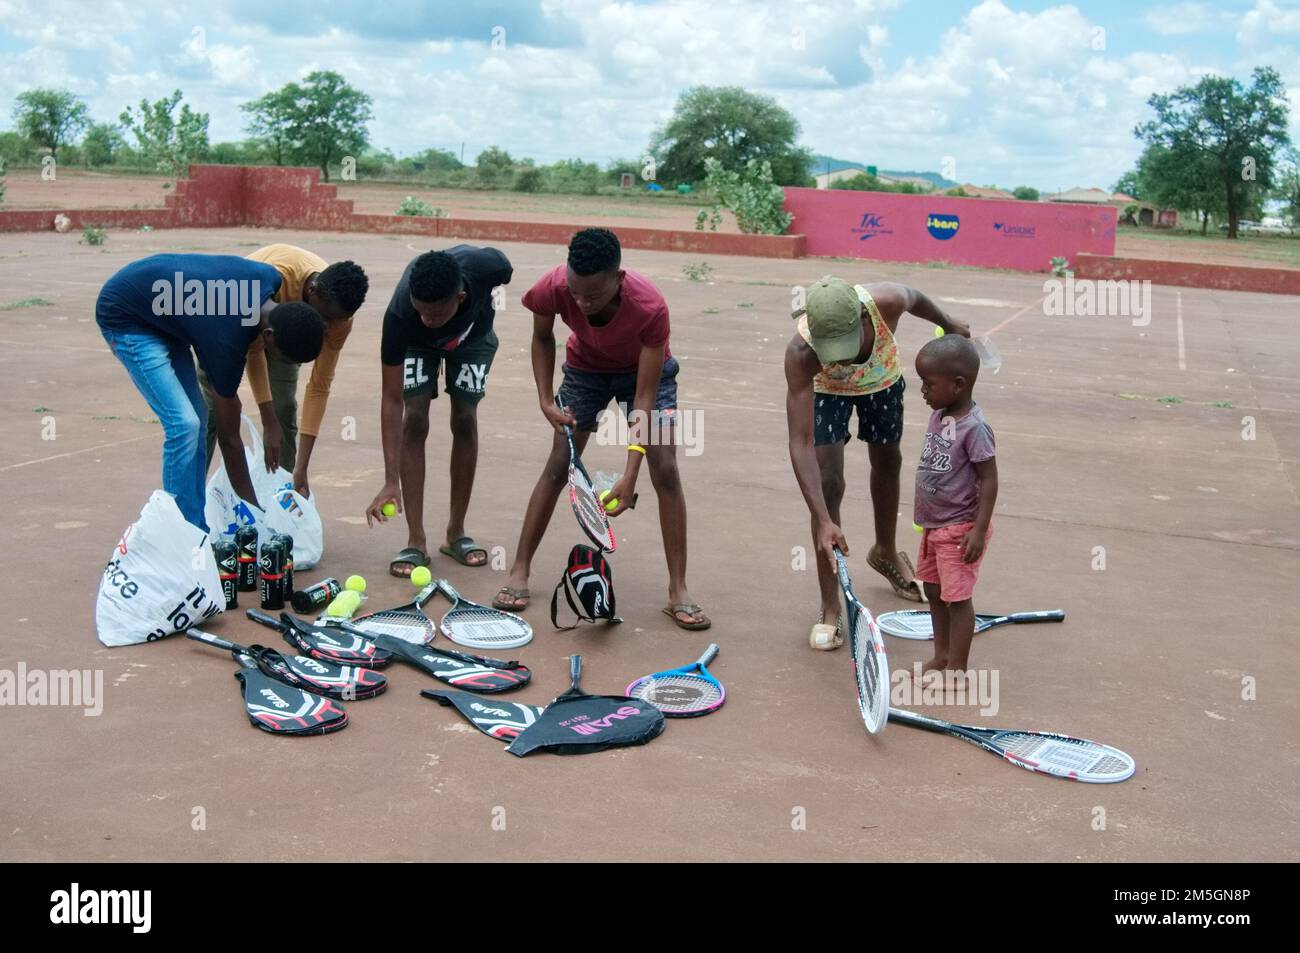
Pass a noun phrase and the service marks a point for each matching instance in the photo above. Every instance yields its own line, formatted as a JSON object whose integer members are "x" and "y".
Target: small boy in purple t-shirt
{"x": 956, "y": 489}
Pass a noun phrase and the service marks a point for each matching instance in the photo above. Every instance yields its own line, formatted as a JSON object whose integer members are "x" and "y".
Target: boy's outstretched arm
{"x": 800, "y": 367}
{"x": 894, "y": 300}
{"x": 227, "y": 411}
{"x": 543, "y": 358}
{"x": 973, "y": 544}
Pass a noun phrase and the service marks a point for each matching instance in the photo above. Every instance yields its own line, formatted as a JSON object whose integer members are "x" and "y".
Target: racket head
{"x": 504, "y": 721}
{"x": 1063, "y": 756}
{"x": 332, "y": 643}
{"x": 410, "y": 626}
{"x": 462, "y": 671}
{"x": 587, "y": 507}
{"x": 481, "y": 627}
{"x": 867, "y": 648}
{"x": 917, "y": 625}
{"x": 320, "y": 676}
{"x": 686, "y": 692}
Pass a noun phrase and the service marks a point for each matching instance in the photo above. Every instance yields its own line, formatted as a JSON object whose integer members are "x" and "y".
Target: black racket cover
{"x": 576, "y": 723}
{"x": 320, "y": 676}
{"x": 496, "y": 719}
{"x": 282, "y": 710}
{"x": 484, "y": 676}
{"x": 332, "y": 644}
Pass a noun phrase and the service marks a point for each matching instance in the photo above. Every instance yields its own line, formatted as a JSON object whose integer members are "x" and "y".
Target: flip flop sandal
{"x": 902, "y": 588}
{"x": 513, "y": 595}
{"x": 825, "y": 637}
{"x": 412, "y": 557}
{"x": 461, "y": 549}
{"x": 687, "y": 608}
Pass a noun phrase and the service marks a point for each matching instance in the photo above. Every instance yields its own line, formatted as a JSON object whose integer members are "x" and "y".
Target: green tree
{"x": 102, "y": 144}
{"x": 494, "y": 165}
{"x": 16, "y": 149}
{"x": 168, "y": 142}
{"x": 1227, "y": 131}
{"x": 50, "y": 117}
{"x": 733, "y": 126}
{"x": 751, "y": 195}
{"x": 1129, "y": 184}
{"x": 1287, "y": 190}
{"x": 1026, "y": 193}
{"x": 271, "y": 118}
{"x": 329, "y": 120}
{"x": 1183, "y": 179}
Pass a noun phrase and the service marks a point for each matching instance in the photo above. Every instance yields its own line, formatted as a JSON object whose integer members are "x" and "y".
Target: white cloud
{"x": 1181, "y": 19}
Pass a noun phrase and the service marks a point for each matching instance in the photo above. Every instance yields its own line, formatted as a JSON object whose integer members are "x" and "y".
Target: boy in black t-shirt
{"x": 441, "y": 313}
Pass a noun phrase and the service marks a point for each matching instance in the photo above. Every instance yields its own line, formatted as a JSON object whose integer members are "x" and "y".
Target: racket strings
{"x": 1077, "y": 756}
{"x": 400, "y": 625}
{"x": 679, "y": 692}
{"x": 484, "y": 625}
{"x": 589, "y": 508}
{"x": 864, "y": 662}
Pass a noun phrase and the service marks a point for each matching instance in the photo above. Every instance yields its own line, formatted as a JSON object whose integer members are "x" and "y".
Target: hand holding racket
{"x": 685, "y": 692}
{"x": 587, "y": 506}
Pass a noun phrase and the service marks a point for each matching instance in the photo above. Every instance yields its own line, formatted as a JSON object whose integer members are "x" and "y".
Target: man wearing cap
{"x": 844, "y": 358}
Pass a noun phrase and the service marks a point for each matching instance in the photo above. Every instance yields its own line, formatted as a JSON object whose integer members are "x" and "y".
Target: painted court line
{"x": 1182, "y": 345}
{"x": 73, "y": 453}
{"x": 1025, "y": 309}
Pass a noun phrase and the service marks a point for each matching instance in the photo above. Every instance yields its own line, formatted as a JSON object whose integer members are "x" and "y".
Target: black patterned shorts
{"x": 880, "y": 416}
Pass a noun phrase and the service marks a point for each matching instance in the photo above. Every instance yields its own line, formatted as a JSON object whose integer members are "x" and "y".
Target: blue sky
{"x": 1007, "y": 92}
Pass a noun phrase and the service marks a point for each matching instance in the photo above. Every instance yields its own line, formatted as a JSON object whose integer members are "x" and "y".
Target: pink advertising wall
{"x": 989, "y": 233}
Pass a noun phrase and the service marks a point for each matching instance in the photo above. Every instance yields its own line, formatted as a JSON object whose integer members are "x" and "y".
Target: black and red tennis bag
{"x": 588, "y": 587}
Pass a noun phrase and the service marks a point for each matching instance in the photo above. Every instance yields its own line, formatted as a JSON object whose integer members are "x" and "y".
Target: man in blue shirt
{"x": 156, "y": 310}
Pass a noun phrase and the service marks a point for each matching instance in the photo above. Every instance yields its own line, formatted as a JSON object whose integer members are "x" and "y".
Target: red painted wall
{"x": 1187, "y": 274}
{"x": 989, "y": 233}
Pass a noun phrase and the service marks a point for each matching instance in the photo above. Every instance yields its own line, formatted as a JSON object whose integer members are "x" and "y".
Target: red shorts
{"x": 940, "y": 561}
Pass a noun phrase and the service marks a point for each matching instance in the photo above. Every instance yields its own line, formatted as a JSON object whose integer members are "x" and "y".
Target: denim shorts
{"x": 587, "y": 393}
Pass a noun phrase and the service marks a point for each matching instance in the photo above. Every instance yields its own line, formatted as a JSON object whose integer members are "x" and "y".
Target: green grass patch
{"x": 26, "y": 303}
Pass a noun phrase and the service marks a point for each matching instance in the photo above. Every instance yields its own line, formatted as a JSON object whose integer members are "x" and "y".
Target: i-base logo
{"x": 942, "y": 227}
{"x": 1015, "y": 231}
{"x": 872, "y": 224}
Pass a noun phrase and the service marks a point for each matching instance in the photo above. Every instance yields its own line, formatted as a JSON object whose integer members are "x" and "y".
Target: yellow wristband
{"x": 637, "y": 447}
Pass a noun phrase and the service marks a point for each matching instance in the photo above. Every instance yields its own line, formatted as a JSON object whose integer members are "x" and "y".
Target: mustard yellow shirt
{"x": 295, "y": 266}
{"x": 882, "y": 369}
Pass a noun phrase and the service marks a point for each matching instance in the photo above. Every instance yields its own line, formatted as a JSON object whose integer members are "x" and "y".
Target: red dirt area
{"x": 78, "y": 188}
{"x": 1148, "y": 487}
{"x": 1258, "y": 251}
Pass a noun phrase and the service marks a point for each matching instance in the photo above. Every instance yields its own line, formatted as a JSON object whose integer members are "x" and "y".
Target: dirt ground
{"x": 1197, "y": 528}
{"x": 79, "y": 189}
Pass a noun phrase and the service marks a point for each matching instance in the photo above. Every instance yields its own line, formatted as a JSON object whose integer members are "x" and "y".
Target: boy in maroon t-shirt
{"x": 617, "y": 350}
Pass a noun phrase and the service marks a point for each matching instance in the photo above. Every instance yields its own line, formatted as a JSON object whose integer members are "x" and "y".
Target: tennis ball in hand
{"x": 389, "y": 509}
{"x": 420, "y": 576}
{"x": 938, "y": 332}
{"x": 611, "y": 503}
{"x": 917, "y": 527}
{"x": 355, "y": 584}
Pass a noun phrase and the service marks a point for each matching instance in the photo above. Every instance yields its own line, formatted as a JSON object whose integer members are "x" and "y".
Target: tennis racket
{"x": 1045, "y": 752}
{"x": 480, "y": 627}
{"x": 405, "y": 622}
{"x": 587, "y": 506}
{"x": 916, "y": 624}
{"x": 870, "y": 667}
{"x": 300, "y": 671}
{"x": 329, "y": 643}
{"x": 685, "y": 692}
{"x": 472, "y": 672}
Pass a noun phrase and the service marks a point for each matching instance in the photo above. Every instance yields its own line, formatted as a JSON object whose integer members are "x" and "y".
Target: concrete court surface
{"x": 1180, "y": 650}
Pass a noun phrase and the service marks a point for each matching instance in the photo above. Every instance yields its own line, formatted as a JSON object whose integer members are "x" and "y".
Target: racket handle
{"x": 575, "y": 668}
{"x": 424, "y": 594}
{"x": 447, "y": 590}
{"x": 1047, "y": 615}
{"x": 199, "y": 635}
{"x": 271, "y": 622}
{"x": 709, "y": 654}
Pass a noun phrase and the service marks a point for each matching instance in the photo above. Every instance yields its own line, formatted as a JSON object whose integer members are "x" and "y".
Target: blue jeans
{"x": 162, "y": 370}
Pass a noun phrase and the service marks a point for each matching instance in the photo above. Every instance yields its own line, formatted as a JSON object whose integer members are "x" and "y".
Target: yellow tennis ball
{"x": 344, "y": 604}
{"x": 611, "y": 503}
{"x": 918, "y": 528}
{"x": 420, "y": 576}
{"x": 938, "y": 332}
{"x": 355, "y": 584}
{"x": 389, "y": 509}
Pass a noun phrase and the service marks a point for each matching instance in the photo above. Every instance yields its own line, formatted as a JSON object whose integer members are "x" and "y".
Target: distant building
{"x": 1148, "y": 213}
{"x": 824, "y": 180}
{"x": 980, "y": 192}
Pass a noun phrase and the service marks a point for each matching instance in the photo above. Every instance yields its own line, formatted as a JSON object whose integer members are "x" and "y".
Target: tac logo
{"x": 942, "y": 227}
{"x": 872, "y": 224}
{"x": 1016, "y": 231}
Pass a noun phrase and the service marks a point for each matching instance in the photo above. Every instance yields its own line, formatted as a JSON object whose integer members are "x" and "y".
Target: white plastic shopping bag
{"x": 285, "y": 510}
{"x": 161, "y": 578}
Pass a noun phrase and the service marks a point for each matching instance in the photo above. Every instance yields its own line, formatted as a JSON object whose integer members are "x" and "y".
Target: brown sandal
{"x": 514, "y": 596}
{"x": 687, "y": 608}
{"x": 902, "y": 588}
